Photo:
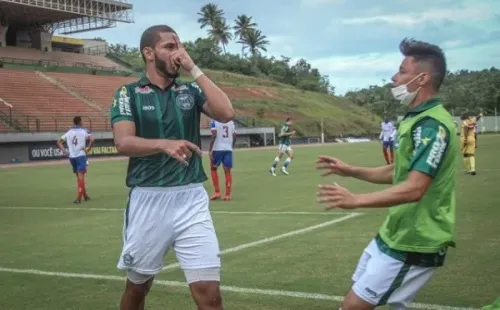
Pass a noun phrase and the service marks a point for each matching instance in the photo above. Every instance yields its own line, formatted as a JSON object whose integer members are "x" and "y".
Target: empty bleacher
{"x": 38, "y": 105}
{"x": 100, "y": 89}
{"x": 63, "y": 58}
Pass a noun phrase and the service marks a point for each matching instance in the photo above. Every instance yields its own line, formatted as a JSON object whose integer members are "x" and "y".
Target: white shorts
{"x": 380, "y": 279}
{"x": 284, "y": 148}
{"x": 157, "y": 219}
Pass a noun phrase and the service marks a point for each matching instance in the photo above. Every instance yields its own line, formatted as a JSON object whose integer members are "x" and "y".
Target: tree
{"x": 210, "y": 15}
{"x": 243, "y": 24}
{"x": 221, "y": 33}
{"x": 255, "y": 42}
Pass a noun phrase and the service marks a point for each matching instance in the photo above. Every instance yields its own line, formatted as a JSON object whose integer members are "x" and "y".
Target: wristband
{"x": 196, "y": 72}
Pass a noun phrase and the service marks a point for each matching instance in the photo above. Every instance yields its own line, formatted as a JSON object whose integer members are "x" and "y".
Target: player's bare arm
{"x": 378, "y": 175}
{"x": 234, "y": 139}
{"x": 128, "y": 144}
{"x": 60, "y": 145}
{"x": 411, "y": 190}
{"x": 91, "y": 143}
{"x": 217, "y": 105}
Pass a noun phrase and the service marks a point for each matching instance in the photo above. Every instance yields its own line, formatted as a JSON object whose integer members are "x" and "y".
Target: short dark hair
{"x": 151, "y": 36}
{"x": 288, "y": 119}
{"x": 77, "y": 120}
{"x": 426, "y": 53}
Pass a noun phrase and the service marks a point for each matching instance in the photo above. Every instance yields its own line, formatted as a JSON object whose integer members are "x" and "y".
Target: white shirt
{"x": 224, "y": 135}
{"x": 76, "y": 139}
{"x": 388, "y": 131}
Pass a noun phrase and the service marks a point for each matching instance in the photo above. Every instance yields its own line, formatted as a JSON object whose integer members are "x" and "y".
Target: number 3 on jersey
{"x": 74, "y": 141}
{"x": 225, "y": 132}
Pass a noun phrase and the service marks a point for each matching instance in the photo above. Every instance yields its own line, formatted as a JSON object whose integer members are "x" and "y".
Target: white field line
{"x": 277, "y": 237}
{"x": 274, "y": 293}
{"x": 213, "y": 212}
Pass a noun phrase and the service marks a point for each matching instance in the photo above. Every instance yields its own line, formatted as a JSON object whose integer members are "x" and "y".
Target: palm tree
{"x": 243, "y": 24}
{"x": 210, "y": 15}
{"x": 255, "y": 41}
{"x": 221, "y": 33}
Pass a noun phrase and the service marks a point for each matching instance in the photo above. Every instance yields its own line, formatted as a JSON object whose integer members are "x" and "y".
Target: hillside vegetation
{"x": 462, "y": 91}
{"x": 260, "y": 102}
{"x": 265, "y": 90}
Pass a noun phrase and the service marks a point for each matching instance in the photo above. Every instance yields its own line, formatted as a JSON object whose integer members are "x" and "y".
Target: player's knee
{"x": 227, "y": 170}
{"x": 138, "y": 285}
{"x": 206, "y": 294}
{"x": 354, "y": 302}
{"x": 213, "y": 168}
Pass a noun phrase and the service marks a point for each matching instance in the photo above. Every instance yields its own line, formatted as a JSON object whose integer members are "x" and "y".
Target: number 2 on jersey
{"x": 74, "y": 141}
{"x": 225, "y": 132}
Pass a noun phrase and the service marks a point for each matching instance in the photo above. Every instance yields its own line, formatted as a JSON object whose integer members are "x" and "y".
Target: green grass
{"x": 320, "y": 261}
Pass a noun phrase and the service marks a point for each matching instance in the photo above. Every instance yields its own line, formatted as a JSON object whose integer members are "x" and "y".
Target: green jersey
{"x": 285, "y": 139}
{"x": 173, "y": 113}
{"x": 426, "y": 142}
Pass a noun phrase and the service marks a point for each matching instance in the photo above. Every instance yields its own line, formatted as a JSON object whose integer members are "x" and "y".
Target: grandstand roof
{"x": 21, "y": 13}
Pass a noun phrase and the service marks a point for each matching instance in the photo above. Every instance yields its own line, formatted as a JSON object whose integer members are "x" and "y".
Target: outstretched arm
{"x": 378, "y": 175}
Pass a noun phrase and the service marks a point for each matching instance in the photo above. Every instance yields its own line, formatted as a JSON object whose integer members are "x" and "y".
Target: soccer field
{"x": 280, "y": 250}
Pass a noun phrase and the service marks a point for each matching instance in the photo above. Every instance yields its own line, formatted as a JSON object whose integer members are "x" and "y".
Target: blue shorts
{"x": 224, "y": 157}
{"x": 388, "y": 144}
{"x": 79, "y": 164}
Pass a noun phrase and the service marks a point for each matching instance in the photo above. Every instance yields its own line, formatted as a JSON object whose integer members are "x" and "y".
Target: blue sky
{"x": 354, "y": 42}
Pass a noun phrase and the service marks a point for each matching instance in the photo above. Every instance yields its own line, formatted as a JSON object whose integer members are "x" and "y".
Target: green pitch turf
{"x": 280, "y": 249}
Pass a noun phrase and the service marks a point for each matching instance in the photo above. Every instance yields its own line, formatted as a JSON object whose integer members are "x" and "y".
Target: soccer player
{"x": 284, "y": 147}
{"x": 420, "y": 225}
{"x": 387, "y": 138}
{"x": 76, "y": 139}
{"x": 221, "y": 151}
{"x": 156, "y": 122}
{"x": 468, "y": 142}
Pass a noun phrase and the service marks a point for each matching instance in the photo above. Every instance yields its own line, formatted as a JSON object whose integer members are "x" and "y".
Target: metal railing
{"x": 54, "y": 63}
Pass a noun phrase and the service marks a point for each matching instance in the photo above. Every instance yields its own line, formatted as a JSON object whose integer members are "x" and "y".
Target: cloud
{"x": 477, "y": 12}
{"x": 316, "y": 3}
{"x": 358, "y": 71}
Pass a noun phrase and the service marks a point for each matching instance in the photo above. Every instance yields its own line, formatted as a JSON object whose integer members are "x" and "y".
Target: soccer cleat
{"x": 283, "y": 170}
{"x": 473, "y": 173}
{"x": 227, "y": 197}
{"x": 86, "y": 198}
{"x": 215, "y": 196}
{"x": 77, "y": 201}
{"x": 272, "y": 172}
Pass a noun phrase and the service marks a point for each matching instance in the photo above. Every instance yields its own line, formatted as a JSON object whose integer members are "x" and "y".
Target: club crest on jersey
{"x": 143, "y": 90}
{"x": 185, "y": 101}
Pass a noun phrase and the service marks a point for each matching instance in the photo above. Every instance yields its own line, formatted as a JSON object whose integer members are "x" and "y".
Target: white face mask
{"x": 402, "y": 94}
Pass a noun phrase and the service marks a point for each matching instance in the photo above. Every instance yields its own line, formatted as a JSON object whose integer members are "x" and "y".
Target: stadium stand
{"x": 100, "y": 89}
{"x": 47, "y": 101}
{"x": 10, "y": 54}
{"x": 38, "y": 105}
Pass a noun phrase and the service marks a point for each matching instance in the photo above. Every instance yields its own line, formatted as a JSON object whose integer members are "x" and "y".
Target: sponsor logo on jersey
{"x": 180, "y": 88}
{"x": 185, "y": 101}
{"x": 148, "y": 107}
{"x": 437, "y": 149}
{"x": 124, "y": 102}
{"x": 196, "y": 86}
{"x": 143, "y": 90}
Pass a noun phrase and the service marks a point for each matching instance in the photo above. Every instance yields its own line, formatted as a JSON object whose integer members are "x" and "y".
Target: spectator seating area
{"x": 39, "y": 105}
{"x": 67, "y": 59}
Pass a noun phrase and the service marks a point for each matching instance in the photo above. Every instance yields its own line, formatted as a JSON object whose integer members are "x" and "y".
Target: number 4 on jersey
{"x": 74, "y": 141}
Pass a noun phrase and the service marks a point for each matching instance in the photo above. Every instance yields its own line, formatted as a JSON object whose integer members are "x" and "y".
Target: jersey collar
{"x": 144, "y": 81}
{"x": 431, "y": 103}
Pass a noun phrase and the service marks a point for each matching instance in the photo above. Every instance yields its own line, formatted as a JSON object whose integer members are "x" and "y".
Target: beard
{"x": 161, "y": 67}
